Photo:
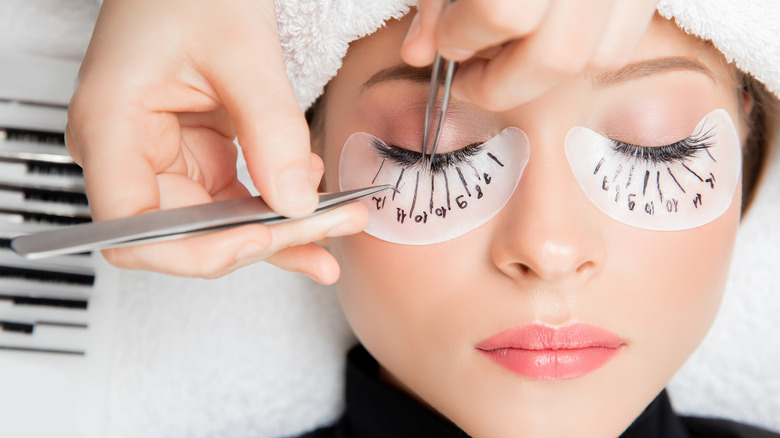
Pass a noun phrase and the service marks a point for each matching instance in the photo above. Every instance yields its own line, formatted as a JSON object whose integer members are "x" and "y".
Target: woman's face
{"x": 550, "y": 271}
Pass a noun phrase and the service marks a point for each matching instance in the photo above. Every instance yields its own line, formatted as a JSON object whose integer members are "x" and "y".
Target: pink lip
{"x": 552, "y": 353}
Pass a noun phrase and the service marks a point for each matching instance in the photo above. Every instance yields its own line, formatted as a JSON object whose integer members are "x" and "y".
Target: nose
{"x": 548, "y": 230}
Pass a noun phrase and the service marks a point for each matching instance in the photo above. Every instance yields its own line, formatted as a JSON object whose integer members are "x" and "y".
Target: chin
{"x": 487, "y": 401}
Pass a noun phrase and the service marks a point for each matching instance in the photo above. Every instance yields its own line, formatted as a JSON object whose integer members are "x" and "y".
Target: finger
{"x": 292, "y": 248}
{"x": 527, "y": 68}
{"x": 125, "y": 180}
{"x": 207, "y": 157}
{"x": 309, "y": 259}
{"x": 120, "y": 127}
{"x": 119, "y": 175}
{"x": 216, "y": 254}
{"x": 271, "y": 127}
{"x": 419, "y": 47}
{"x": 236, "y": 189}
{"x": 348, "y": 219}
{"x": 121, "y": 142}
{"x": 217, "y": 120}
{"x": 317, "y": 170}
{"x": 70, "y": 144}
{"x": 627, "y": 24}
{"x": 197, "y": 256}
{"x": 233, "y": 190}
{"x": 293, "y": 252}
{"x": 466, "y": 27}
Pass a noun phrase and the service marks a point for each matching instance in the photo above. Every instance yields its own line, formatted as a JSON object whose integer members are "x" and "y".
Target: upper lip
{"x": 543, "y": 337}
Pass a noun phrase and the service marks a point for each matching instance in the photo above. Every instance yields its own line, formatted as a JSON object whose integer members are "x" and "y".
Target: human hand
{"x": 164, "y": 89}
{"x": 515, "y": 50}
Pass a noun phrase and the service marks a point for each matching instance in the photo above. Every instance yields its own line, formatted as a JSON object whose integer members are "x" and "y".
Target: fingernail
{"x": 414, "y": 29}
{"x": 344, "y": 229}
{"x": 251, "y": 250}
{"x": 456, "y": 54}
{"x": 294, "y": 187}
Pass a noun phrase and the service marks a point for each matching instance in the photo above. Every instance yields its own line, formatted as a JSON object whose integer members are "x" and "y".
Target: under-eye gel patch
{"x": 679, "y": 186}
{"x": 463, "y": 190}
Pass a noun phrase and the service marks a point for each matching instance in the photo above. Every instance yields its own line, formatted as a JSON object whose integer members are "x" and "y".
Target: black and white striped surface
{"x": 56, "y": 315}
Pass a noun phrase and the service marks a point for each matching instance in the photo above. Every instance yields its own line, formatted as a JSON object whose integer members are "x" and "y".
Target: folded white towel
{"x": 315, "y": 36}
{"x": 747, "y": 33}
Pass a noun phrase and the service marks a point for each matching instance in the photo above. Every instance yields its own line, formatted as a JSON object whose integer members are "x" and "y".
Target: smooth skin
{"x": 167, "y": 85}
{"x": 548, "y": 257}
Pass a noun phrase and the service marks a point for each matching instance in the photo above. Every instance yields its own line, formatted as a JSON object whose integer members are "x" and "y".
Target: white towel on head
{"x": 259, "y": 353}
{"x": 315, "y": 36}
{"x": 746, "y": 32}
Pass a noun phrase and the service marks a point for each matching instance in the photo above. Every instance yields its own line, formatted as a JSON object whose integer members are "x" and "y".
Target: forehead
{"x": 662, "y": 39}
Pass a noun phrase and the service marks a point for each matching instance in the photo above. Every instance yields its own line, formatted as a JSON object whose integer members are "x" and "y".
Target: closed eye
{"x": 408, "y": 158}
{"x": 677, "y": 152}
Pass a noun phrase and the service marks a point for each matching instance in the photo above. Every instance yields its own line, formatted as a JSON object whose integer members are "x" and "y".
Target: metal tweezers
{"x": 161, "y": 225}
{"x": 433, "y": 96}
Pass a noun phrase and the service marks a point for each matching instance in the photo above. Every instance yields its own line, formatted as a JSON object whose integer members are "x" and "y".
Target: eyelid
{"x": 678, "y": 151}
{"x": 407, "y": 157}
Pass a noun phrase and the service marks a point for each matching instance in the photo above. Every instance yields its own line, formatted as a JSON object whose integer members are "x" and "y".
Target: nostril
{"x": 585, "y": 267}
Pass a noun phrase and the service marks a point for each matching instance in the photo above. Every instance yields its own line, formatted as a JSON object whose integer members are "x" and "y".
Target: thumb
{"x": 419, "y": 47}
{"x": 271, "y": 127}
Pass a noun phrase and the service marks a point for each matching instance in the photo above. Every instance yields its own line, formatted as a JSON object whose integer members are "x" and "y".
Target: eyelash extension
{"x": 408, "y": 158}
{"x": 677, "y": 152}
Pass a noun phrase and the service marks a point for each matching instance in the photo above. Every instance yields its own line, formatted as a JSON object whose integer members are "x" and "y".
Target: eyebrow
{"x": 637, "y": 70}
{"x": 650, "y": 67}
{"x": 401, "y": 72}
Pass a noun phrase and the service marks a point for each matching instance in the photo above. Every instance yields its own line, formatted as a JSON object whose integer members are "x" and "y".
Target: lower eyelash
{"x": 677, "y": 152}
{"x": 408, "y": 158}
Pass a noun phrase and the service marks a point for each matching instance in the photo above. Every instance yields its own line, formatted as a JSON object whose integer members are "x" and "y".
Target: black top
{"x": 375, "y": 410}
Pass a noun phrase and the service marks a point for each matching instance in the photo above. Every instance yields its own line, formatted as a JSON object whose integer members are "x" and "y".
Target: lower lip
{"x": 519, "y": 351}
{"x": 552, "y": 364}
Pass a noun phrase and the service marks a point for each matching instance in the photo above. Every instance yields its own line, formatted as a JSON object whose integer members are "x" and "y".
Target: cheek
{"x": 374, "y": 288}
{"x": 673, "y": 283}
{"x": 407, "y": 302}
{"x": 389, "y": 292}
